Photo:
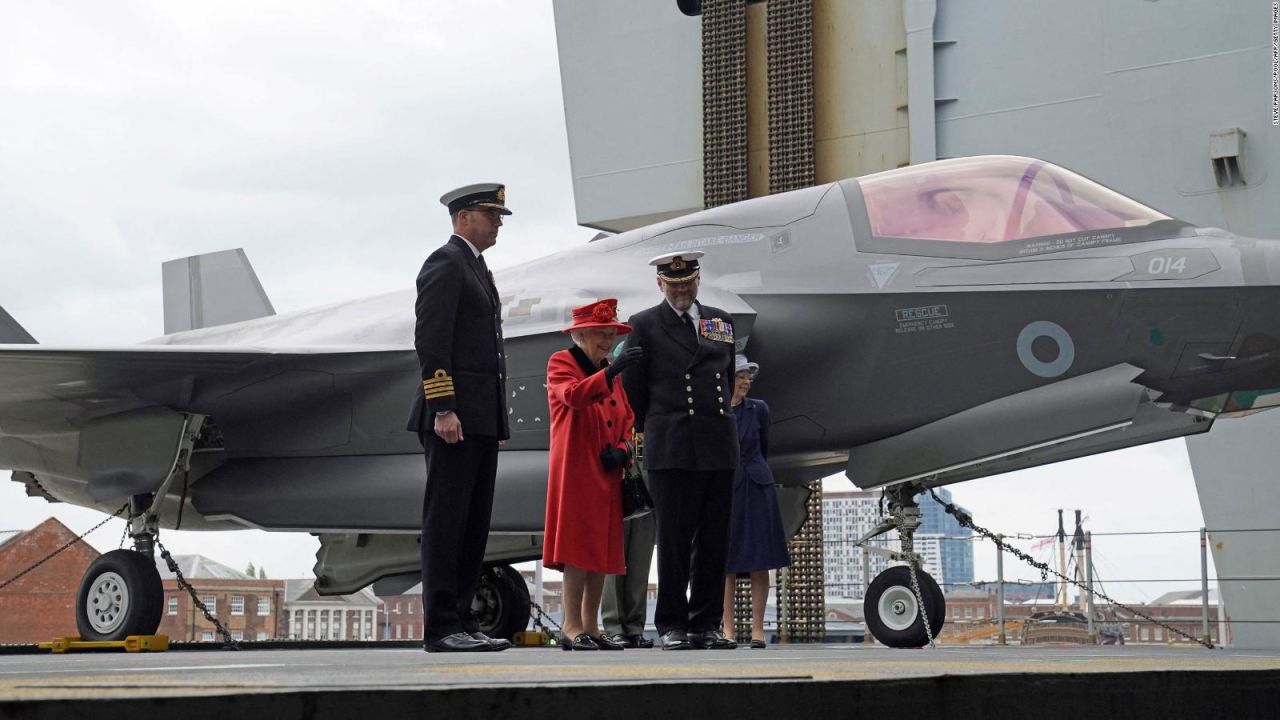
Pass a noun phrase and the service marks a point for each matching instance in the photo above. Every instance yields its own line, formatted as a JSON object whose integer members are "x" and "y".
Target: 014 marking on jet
{"x": 1066, "y": 348}
{"x": 923, "y": 319}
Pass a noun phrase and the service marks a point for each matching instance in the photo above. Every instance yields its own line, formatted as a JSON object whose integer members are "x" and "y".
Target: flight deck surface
{"x": 792, "y": 681}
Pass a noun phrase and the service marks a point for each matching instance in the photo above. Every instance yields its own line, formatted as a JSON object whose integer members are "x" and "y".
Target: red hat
{"x": 599, "y": 314}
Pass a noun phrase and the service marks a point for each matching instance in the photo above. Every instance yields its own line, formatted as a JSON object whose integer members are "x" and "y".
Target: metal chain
{"x": 542, "y": 618}
{"x": 68, "y": 544}
{"x": 908, "y": 549}
{"x": 966, "y": 520}
{"x": 227, "y": 642}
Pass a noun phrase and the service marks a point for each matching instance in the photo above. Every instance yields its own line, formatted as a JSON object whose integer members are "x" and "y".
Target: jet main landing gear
{"x": 121, "y": 593}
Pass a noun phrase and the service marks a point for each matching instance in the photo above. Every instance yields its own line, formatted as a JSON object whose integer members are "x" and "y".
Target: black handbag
{"x": 636, "y": 500}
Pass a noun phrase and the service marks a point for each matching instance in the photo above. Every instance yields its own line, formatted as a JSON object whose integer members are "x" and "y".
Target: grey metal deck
{"x": 785, "y": 681}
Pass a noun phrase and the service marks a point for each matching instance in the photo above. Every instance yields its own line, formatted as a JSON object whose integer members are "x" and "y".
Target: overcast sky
{"x": 318, "y": 136}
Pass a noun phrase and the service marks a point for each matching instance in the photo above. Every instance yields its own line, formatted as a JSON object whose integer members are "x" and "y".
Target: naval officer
{"x": 460, "y": 415}
{"x": 681, "y": 395}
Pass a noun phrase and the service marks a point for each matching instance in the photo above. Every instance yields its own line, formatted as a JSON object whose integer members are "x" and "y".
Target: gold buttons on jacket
{"x": 690, "y": 401}
{"x": 690, "y": 411}
{"x": 717, "y": 376}
{"x": 689, "y": 388}
{"x": 687, "y": 376}
{"x": 721, "y": 411}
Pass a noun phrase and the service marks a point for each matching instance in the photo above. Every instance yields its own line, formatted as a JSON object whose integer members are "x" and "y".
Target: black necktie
{"x": 688, "y": 322}
{"x": 485, "y": 266}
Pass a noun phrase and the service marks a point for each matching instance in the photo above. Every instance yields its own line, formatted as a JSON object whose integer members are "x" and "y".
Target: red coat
{"x": 584, "y": 501}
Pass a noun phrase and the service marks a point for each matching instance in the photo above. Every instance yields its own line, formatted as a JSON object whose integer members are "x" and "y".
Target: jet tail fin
{"x": 212, "y": 289}
{"x": 11, "y": 333}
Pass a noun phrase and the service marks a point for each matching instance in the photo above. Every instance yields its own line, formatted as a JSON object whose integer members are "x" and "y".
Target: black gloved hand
{"x": 625, "y": 359}
{"x": 613, "y": 457}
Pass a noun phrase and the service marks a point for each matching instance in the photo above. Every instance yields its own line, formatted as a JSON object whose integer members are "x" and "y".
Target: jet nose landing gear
{"x": 904, "y": 606}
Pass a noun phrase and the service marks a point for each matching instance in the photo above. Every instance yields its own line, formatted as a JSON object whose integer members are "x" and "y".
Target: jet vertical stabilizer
{"x": 211, "y": 289}
{"x": 11, "y": 333}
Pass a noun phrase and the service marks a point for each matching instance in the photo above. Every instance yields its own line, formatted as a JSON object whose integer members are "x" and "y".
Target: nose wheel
{"x": 893, "y": 614}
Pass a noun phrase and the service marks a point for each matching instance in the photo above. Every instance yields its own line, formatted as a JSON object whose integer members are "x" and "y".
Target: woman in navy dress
{"x": 757, "y": 541}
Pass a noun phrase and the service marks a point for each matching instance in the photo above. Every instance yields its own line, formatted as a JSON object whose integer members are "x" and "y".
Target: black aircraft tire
{"x": 892, "y": 612}
{"x": 502, "y": 603}
{"x": 120, "y": 595}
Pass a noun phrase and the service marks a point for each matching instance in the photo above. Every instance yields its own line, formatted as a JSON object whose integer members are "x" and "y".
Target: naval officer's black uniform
{"x": 681, "y": 395}
{"x": 458, "y": 337}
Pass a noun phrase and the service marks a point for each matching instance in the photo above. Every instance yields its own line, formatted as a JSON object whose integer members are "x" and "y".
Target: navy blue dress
{"x": 757, "y": 540}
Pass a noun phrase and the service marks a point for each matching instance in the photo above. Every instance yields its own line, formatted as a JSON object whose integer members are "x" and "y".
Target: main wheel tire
{"x": 501, "y": 605}
{"x": 120, "y": 595}
{"x": 893, "y": 614}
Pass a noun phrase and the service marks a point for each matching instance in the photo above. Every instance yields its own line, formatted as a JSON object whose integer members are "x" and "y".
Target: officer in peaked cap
{"x": 491, "y": 196}
{"x": 460, "y": 415}
{"x": 681, "y": 395}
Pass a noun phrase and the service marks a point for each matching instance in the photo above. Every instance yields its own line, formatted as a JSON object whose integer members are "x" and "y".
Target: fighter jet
{"x": 921, "y": 326}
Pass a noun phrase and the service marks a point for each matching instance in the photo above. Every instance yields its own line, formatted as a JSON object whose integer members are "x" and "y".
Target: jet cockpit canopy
{"x": 994, "y": 199}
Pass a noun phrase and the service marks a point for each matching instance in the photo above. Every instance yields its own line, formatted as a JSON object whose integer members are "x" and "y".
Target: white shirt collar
{"x": 474, "y": 251}
{"x": 693, "y": 312}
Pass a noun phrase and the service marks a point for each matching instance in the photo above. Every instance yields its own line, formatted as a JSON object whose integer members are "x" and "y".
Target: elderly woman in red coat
{"x": 590, "y": 426}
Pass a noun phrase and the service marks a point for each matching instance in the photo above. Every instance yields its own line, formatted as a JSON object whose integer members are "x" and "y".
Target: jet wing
{"x": 1096, "y": 412}
{"x": 93, "y": 413}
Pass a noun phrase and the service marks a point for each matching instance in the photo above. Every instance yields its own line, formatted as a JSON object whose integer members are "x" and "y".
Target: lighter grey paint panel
{"x": 1137, "y": 87}
{"x": 1237, "y": 479}
{"x": 632, "y": 86}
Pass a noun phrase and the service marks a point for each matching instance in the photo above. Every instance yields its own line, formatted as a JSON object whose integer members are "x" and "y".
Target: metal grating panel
{"x": 791, "y": 164}
{"x": 724, "y": 101}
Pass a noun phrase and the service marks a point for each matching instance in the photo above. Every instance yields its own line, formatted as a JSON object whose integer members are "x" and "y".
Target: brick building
{"x": 250, "y": 608}
{"x": 400, "y": 616}
{"x": 42, "y": 604}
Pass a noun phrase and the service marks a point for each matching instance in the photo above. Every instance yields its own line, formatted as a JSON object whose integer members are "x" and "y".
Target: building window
{"x": 1159, "y": 634}
{"x": 397, "y": 632}
{"x": 237, "y": 604}
{"x": 173, "y": 606}
{"x": 206, "y": 636}
{"x": 264, "y": 606}
{"x": 263, "y": 635}
{"x": 237, "y": 635}
{"x": 1144, "y": 634}
{"x": 411, "y": 607}
{"x": 211, "y": 602}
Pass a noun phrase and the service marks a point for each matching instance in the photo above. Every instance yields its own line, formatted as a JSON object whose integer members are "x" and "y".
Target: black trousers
{"x": 692, "y": 508}
{"x": 455, "y": 529}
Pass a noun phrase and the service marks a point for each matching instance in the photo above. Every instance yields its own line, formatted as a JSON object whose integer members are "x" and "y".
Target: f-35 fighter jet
{"x": 920, "y": 327}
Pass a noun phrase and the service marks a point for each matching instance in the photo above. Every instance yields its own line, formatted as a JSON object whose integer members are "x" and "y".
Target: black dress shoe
{"x": 457, "y": 642}
{"x": 712, "y": 640}
{"x": 495, "y": 644}
{"x": 605, "y": 642}
{"x": 581, "y": 641}
{"x": 676, "y": 640}
{"x": 633, "y": 641}
{"x": 758, "y": 644}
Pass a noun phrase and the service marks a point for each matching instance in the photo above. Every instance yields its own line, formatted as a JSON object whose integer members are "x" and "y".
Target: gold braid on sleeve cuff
{"x": 438, "y": 386}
